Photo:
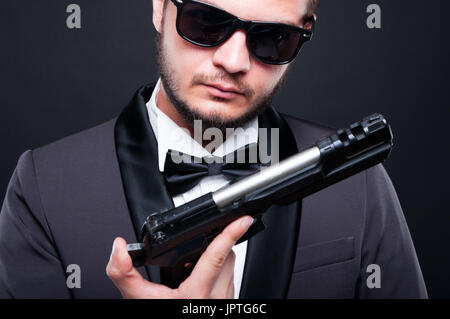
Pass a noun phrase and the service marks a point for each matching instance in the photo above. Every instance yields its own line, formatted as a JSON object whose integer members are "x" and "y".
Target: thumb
{"x": 126, "y": 278}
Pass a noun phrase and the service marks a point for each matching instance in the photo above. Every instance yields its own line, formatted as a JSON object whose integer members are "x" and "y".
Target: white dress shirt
{"x": 170, "y": 136}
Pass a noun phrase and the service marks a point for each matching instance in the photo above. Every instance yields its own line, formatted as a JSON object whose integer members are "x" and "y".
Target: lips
{"x": 222, "y": 91}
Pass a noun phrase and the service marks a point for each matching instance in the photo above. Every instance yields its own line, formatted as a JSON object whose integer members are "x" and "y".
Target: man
{"x": 67, "y": 201}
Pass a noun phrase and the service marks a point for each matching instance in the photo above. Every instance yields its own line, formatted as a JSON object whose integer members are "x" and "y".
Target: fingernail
{"x": 246, "y": 222}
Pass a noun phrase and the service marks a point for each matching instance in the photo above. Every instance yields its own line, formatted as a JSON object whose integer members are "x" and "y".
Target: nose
{"x": 233, "y": 54}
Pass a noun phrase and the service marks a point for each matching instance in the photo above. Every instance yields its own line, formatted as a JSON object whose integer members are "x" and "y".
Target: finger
{"x": 230, "y": 291}
{"x": 127, "y": 279}
{"x": 212, "y": 260}
{"x": 221, "y": 286}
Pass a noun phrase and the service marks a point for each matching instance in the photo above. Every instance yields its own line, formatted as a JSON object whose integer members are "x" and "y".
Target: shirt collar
{"x": 170, "y": 136}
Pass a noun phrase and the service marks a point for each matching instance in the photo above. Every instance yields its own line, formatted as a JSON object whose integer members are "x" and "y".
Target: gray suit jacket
{"x": 67, "y": 201}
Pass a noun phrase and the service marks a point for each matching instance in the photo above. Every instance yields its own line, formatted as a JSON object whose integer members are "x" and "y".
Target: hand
{"x": 212, "y": 276}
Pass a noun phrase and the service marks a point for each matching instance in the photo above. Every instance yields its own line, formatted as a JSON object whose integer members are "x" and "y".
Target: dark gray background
{"x": 56, "y": 81}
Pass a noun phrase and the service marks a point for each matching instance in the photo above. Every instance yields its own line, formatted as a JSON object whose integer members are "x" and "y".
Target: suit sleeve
{"x": 388, "y": 244}
{"x": 29, "y": 262}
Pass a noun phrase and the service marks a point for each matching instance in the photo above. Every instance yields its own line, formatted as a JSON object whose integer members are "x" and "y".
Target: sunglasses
{"x": 205, "y": 25}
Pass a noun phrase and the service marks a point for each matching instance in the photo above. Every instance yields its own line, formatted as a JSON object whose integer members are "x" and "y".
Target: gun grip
{"x": 173, "y": 276}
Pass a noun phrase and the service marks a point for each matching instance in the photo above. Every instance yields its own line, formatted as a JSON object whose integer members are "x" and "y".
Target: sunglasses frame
{"x": 247, "y": 26}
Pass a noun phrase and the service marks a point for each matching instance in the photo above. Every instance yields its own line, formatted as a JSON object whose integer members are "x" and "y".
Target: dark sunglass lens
{"x": 203, "y": 24}
{"x": 273, "y": 43}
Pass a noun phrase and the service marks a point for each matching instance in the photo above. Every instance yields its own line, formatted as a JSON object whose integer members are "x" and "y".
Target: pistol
{"x": 180, "y": 235}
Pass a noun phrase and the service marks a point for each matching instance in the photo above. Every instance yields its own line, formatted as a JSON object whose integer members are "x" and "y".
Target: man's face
{"x": 198, "y": 80}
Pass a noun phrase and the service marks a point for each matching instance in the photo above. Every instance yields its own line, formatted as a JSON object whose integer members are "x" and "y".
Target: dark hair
{"x": 312, "y": 7}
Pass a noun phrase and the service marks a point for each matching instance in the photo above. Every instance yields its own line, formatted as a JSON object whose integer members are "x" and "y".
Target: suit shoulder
{"x": 88, "y": 141}
{"x": 307, "y": 132}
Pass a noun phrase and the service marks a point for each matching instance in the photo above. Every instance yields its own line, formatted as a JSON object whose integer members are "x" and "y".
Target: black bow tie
{"x": 182, "y": 172}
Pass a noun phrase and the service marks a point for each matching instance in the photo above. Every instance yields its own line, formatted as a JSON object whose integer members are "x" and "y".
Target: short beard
{"x": 213, "y": 120}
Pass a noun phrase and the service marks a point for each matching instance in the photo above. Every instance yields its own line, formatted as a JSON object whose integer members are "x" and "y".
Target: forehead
{"x": 285, "y": 11}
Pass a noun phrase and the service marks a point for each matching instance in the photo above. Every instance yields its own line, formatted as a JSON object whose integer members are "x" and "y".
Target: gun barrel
{"x": 231, "y": 193}
{"x": 355, "y": 145}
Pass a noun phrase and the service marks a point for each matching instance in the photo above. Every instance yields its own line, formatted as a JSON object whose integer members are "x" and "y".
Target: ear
{"x": 158, "y": 6}
{"x": 309, "y": 24}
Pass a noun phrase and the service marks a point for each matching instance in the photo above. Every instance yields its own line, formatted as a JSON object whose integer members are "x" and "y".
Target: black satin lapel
{"x": 137, "y": 153}
{"x": 270, "y": 254}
